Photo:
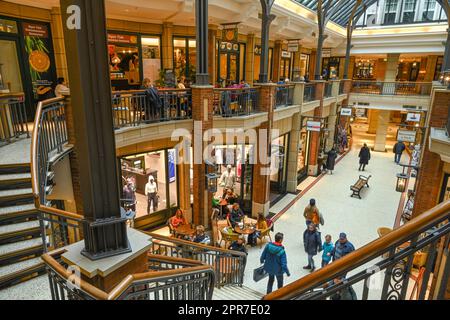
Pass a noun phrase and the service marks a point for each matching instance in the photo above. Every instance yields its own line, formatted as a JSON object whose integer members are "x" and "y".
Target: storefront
{"x": 132, "y": 58}
{"x": 364, "y": 69}
{"x": 240, "y": 158}
{"x": 184, "y": 58}
{"x": 152, "y": 209}
{"x": 303, "y": 153}
{"x": 304, "y": 64}
{"x": 278, "y": 168}
{"x": 285, "y": 65}
{"x": 332, "y": 66}
{"x": 27, "y": 61}
{"x": 231, "y": 62}
{"x": 257, "y": 63}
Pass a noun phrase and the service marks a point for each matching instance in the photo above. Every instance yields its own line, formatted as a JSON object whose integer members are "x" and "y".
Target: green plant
{"x": 32, "y": 44}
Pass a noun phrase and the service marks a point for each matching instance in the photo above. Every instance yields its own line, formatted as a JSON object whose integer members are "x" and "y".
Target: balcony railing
{"x": 310, "y": 92}
{"x": 328, "y": 92}
{"x": 229, "y": 102}
{"x": 341, "y": 87}
{"x": 387, "y": 261}
{"x": 133, "y": 108}
{"x": 392, "y": 88}
{"x": 13, "y": 117}
{"x": 284, "y": 95}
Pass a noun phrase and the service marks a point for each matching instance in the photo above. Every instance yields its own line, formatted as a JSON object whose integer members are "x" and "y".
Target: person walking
{"x": 342, "y": 247}
{"x": 275, "y": 262}
{"x": 313, "y": 244}
{"x": 327, "y": 250}
{"x": 312, "y": 214}
{"x": 331, "y": 160}
{"x": 228, "y": 178}
{"x": 364, "y": 157}
{"x": 151, "y": 190}
{"x": 399, "y": 147}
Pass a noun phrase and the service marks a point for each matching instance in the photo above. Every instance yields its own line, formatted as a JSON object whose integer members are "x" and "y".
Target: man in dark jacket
{"x": 313, "y": 244}
{"x": 275, "y": 262}
{"x": 364, "y": 157}
{"x": 342, "y": 247}
{"x": 399, "y": 147}
{"x": 331, "y": 160}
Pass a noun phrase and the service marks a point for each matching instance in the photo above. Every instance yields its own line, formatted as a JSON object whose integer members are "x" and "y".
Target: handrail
{"x": 10, "y": 95}
{"x": 358, "y": 257}
{"x": 127, "y": 282}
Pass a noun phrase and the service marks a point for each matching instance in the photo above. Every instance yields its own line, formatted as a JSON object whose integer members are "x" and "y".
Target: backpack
{"x": 322, "y": 221}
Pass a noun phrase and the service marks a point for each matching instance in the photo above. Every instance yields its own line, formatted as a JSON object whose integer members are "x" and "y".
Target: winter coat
{"x": 364, "y": 155}
{"x": 274, "y": 259}
{"x": 331, "y": 159}
{"x": 399, "y": 147}
{"x": 345, "y": 294}
{"x": 312, "y": 242}
{"x": 342, "y": 249}
{"x": 327, "y": 248}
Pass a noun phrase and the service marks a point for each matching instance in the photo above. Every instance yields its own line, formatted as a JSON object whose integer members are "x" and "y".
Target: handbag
{"x": 259, "y": 274}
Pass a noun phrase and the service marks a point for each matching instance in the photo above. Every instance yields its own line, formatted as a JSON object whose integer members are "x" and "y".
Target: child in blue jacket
{"x": 327, "y": 250}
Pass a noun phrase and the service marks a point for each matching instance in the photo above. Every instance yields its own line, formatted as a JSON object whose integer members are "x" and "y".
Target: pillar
{"x": 372, "y": 120}
{"x": 382, "y": 127}
{"x": 314, "y": 150}
{"x": 184, "y": 180}
{"x": 296, "y": 64}
{"x": 167, "y": 45}
{"x": 276, "y": 60}
{"x": 261, "y": 169}
{"x": 250, "y": 59}
{"x": 430, "y": 68}
{"x": 391, "y": 67}
{"x": 212, "y": 67}
{"x": 312, "y": 64}
{"x": 59, "y": 49}
{"x": 332, "y": 118}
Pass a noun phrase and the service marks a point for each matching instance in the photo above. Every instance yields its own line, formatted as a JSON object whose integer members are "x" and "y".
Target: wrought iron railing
{"x": 328, "y": 92}
{"x": 388, "y": 259}
{"x": 392, "y": 88}
{"x": 133, "y": 108}
{"x": 310, "y": 92}
{"x": 166, "y": 279}
{"x": 13, "y": 117}
{"x": 229, "y": 266}
{"x": 231, "y": 102}
{"x": 284, "y": 95}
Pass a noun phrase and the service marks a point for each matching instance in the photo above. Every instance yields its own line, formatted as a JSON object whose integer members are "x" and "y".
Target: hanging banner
{"x": 346, "y": 111}
{"x": 38, "y": 46}
{"x": 293, "y": 46}
{"x": 406, "y": 136}
{"x": 122, "y": 38}
{"x": 313, "y": 126}
{"x": 285, "y": 54}
{"x": 414, "y": 117}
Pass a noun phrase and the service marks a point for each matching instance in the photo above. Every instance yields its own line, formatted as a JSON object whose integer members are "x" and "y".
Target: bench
{"x": 359, "y": 185}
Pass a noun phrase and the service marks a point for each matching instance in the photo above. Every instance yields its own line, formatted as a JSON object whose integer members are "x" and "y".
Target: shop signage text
{"x": 406, "y": 136}
{"x": 293, "y": 46}
{"x": 285, "y": 54}
{"x": 122, "y": 38}
{"x": 414, "y": 117}
{"x": 346, "y": 111}
{"x": 313, "y": 126}
{"x": 326, "y": 53}
{"x": 35, "y": 30}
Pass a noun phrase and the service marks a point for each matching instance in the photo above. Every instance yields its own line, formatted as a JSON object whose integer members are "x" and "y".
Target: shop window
{"x": 8, "y": 26}
{"x": 184, "y": 59}
{"x": 124, "y": 58}
{"x": 304, "y": 64}
{"x": 151, "y": 58}
{"x": 230, "y": 63}
{"x": 364, "y": 69}
{"x": 438, "y": 69}
{"x": 445, "y": 189}
{"x": 10, "y": 75}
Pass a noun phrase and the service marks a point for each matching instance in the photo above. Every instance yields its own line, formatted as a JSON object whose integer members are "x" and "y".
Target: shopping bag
{"x": 259, "y": 274}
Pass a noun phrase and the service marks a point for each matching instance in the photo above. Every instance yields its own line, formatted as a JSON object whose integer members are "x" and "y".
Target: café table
{"x": 244, "y": 230}
{"x": 184, "y": 230}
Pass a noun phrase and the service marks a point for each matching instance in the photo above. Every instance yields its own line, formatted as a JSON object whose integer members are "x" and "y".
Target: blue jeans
{"x": 325, "y": 262}
{"x": 398, "y": 156}
{"x": 311, "y": 261}
{"x": 272, "y": 279}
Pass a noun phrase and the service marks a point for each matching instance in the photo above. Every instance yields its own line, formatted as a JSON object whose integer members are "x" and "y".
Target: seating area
{"x": 362, "y": 182}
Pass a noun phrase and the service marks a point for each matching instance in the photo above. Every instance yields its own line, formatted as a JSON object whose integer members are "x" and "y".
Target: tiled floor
{"x": 17, "y": 152}
{"x": 360, "y": 219}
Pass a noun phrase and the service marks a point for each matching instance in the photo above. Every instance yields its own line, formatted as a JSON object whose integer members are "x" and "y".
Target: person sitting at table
{"x": 200, "y": 235}
{"x": 236, "y": 215}
{"x": 178, "y": 219}
{"x": 239, "y": 245}
{"x": 261, "y": 225}
{"x": 231, "y": 197}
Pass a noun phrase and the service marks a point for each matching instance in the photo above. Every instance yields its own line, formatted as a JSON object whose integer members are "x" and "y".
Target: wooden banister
{"x": 358, "y": 257}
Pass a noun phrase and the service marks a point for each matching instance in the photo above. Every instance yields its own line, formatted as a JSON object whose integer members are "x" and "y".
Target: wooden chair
{"x": 171, "y": 228}
{"x": 228, "y": 237}
{"x": 264, "y": 234}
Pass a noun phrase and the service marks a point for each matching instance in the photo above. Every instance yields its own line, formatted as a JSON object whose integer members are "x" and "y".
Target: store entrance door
{"x": 10, "y": 73}
{"x": 229, "y": 67}
{"x": 285, "y": 68}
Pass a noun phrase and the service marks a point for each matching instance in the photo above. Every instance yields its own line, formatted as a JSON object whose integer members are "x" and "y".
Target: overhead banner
{"x": 413, "y": 117}
{"x": 122, "y": 38}
{"x": 285, "y": 54}
{"x": 313, "y": 126}
{"x": 346, "y": 111}
{"x": 326, "y": 53}
{"x": 406, "y": 136}
{"x": 293, "y": 46}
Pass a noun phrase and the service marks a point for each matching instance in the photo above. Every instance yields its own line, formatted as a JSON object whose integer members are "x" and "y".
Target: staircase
{"x": 20, "y": 233}
{"x": 236, "y": 293}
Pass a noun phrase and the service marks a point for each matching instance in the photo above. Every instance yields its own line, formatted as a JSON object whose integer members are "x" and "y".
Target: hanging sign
{"x": 326, "y": 53}
{"x": 406, "y": 136}
{"x": 414, "y": 117}
{"x": 346, "y": 111}
{"x": 313, "y": 126}
{"x": 285, "y": 54}
{"x": 122, "y": 38}
{"x": 293, "y": 46}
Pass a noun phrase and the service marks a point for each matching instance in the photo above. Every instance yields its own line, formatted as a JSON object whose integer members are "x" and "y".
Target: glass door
{"x": 229, "y": 63}
{"x": 10, "y": 73}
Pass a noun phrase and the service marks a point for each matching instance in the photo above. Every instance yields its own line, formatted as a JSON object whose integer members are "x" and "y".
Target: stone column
{"x": 382, "y": 127}
{"x": 314, "y": 149}
{"x": 391, "y": 67}
{"x": 250, "y": 59}
{"x": 184, "y": 182}
{"x": 261, "y": 169}
{"x": 202, "y": 110}
{"x": 59, "y": 49}
{"x": 372, "y": 120}
{"x": 212, "y": 68}
{"x": 276, "y": 61}
{"x": 167, "y": 45}
{"x": 430, "y": 68}
{"x": 332, "y": 118}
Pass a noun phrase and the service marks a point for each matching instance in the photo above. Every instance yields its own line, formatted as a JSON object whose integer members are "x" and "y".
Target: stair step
{"x": 15, "y": 181}
{"x": 34, "y": 289}
{"x": 17, "y": 214}
{"x": 21, "y": 271}
{"x": 15, "y": 176}
{"x": 15, "y": 197}
{"x": 17, "y": 251}
{"x": 16, "y": 209}
{"x": 236, "y": 293}
{"x": 19, "y": 231}
{"x": 15, "y": 168}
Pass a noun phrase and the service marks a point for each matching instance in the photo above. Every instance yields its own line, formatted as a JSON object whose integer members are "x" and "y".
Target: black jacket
{"x": 331, "y": 159}
{"x": 312, "y": 242}
{"x": 364, "y": 155}
{"x": 399, "y": 147}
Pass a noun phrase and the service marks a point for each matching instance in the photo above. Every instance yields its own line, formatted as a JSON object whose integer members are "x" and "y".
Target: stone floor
{"x": 15, "y": 153}
{"x": 360, "y": 219}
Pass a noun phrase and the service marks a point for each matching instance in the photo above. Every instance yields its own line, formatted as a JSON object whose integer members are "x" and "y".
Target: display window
{"x": 151, "y": 57}
{"x": 124, "y": 57}
{"x": 303, "y": 154}
{"x": 184, "y": 59}
{"x": 304, "y": 64}
{"x": 445, "y": 189}
{"x": 278, "y": 167}
{"x": 153, "y": 178}
{"x": 364, "y": 69}
{"x": 231, "y": 64}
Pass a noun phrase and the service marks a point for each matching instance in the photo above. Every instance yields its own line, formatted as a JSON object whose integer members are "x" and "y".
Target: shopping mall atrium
{"x": 224, "y": 150}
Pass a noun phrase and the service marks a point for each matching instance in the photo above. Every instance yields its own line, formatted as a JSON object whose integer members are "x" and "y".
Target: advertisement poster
{"x": 38, "y": 48}
{"x": 413, "y": 117}
{"x": 406, "y": 136}
{"x": 313, "y": 126}
{"x": 346, "y": 111}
